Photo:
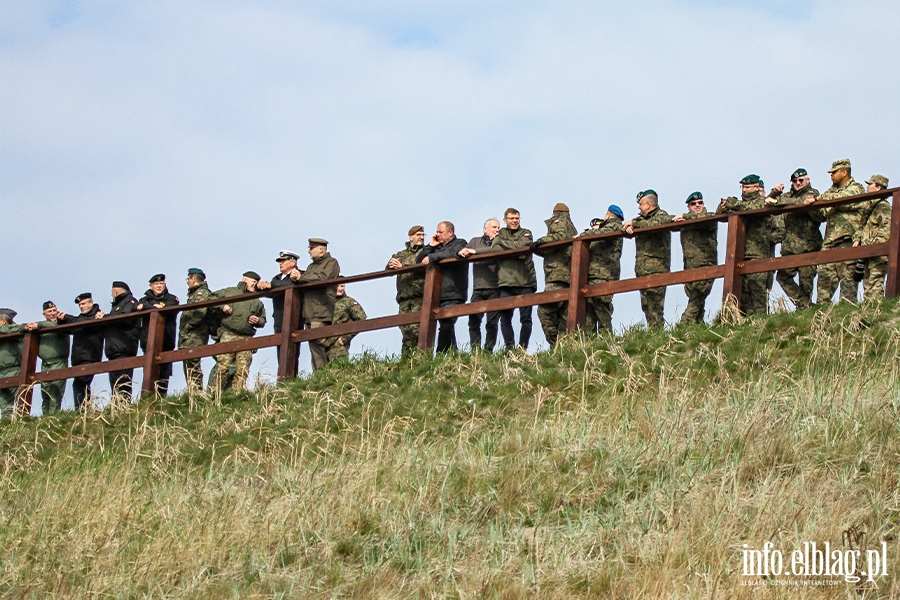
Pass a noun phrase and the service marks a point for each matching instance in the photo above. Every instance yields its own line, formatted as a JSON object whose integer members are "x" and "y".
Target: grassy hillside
{"x": 610, "y": 467}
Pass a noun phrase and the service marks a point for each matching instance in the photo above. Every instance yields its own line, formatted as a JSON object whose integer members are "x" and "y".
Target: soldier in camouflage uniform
{"x": 802, "y": 234}
{"x": 875, "y": 230}
{"x": 757, "y": 244}
{"x": 240, "y": 321}
{"x": 195, "y": 328}
{"x": 700, "y": 248}
{"x": 557, "y": 269}
{"x": 410, "y": 286}
{"x": 605, "y": 265}
{"x": 54, "y": 354}
{"x": 346, "y": 309}
{"x": 653, "y": 254}
{"x": 841, "y": 224}
{"x": 10, "y": 359}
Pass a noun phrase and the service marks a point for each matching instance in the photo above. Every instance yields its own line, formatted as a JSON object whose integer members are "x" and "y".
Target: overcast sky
{"x": 148, "y": 137}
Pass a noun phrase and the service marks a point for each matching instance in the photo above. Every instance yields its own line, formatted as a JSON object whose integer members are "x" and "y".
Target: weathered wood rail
{"x": 292, "y": 334}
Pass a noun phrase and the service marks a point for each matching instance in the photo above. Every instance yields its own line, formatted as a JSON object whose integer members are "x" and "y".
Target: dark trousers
{"x": 81, "y": 387}
{"x": 162, "y": 384}
{"x": 490, "y": 339}
{"x": 446, "y": 337}
{"x": 120, "y": 383}
{"x": 509, "y": 336}
{"x": 278, "y": 354}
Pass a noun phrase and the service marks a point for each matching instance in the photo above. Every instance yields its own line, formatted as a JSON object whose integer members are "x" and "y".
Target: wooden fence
{"x": 734, "y": 268}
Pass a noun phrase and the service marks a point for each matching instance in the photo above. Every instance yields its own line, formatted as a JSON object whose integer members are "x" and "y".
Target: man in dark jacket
{"x": 318, "y": 303}
{"x": 484, "y": 286}
{"x": 121, "y": 340}
{"x": 455, "y": 282}
{"x": 87, "y": 344}
{"x": 288, "y": 275}
{"x": 240, "y": 321}
{"x": 158, "y": 296}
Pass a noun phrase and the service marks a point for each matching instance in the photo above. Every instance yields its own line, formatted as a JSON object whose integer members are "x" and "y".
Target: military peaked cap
{"x": 48, "y": 305}
{"x": 317, "y": 242}
{"x": 287, "y": 255}
{"x": 157, "y": 277}
{"x": 694, "y": 196}
{"x": 878, "y": 180}
{"x": 616, "y": 211}
{"x": 196, "y": 271}
{"x": 750, "y": 179}
{"x": 252, "y": 275}
{"x": 798, "y": 174}
{"x": 837, "y": 165}
{"x": 8, "y": 312}
{"x": 84, "y": 296}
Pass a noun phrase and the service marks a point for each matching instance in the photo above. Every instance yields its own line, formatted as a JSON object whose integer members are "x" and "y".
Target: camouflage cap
{"x": 8, "y": 312}
{"x": 837, "y": 165}
{"x": 798, "y": 174}
{"x": 317, "y": 242}
{"x": 84, "y": 296}
{"x": 616, "y": 211}
{"x": 878, "y": 180}
{"x": 650, "y": 192}
{"x": 694, "y": 196}
{"x": 252, "y": 275}
{"x": 48, "y": 305}
{"x": 751, "y": 179}
{"x": 560, "y": 207}
{"x": 416, "y": 229}
{"x": 287, "y": 255}
{"x": 196, "y": 271}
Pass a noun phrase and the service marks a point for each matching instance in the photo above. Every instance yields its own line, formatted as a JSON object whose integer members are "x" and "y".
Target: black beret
{"x": 48, "y": 305}
{"x": 121, "y": 284}
{"x": 84, "y": 296}
{"x": 8, "y": 312}
{"x": 252, "y": 275}
{"x": 157, "y": 277}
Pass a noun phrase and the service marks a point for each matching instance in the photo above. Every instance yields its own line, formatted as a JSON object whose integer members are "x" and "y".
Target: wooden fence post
{"x": 892, "y": 289}
{"x": 577, "y": 281}
{"x": 25, "y": 390}
{"x": 430, "y": 302}
{"x": 734, "y": 258}
{"x": 156, "y": 332}
{"x": 290, "y": 323}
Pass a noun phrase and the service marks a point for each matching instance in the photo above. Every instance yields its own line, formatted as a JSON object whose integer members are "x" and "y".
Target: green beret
{"x": 798, "y": 174}
{"x": 650, "y": 192}
{"x": 837, "y": 165}
{"x": 694, "y": 196}
{"x": 196, "y": 271}
{"x": 252, "y": 275}
{"x": 751, "y": 179}
{"x": 317, "y": 242}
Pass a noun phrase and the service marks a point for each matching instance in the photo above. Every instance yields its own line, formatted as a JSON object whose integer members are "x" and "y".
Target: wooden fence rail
{"x": 292, "y": 334}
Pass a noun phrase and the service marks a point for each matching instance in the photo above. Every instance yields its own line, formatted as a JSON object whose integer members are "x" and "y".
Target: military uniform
{"x": 802, "y": 234}
{"x": 841, "y": 224}
{"x": 194, "y": 330}
{"x": 557, "y": 270}
{"x": 876, "y": 230}
{"x": 605, "y": 265}
{"x": 87, "y": 348}
{"x": 346, "y": 309}
{"x": 318, "y": 303}
{"x": 54, "y": 354}
{"x": 236, "y": 326}
{"x": 700, "y": 248}
{"x": 653, "y": 255}
{"x": 515, "y": 276}
{"x": 10, "y": 362}
{"x": 121, "y": 340}
{"x": 757, "y": 245}
{"x": 150, "y": 301}
{"x": 410, "y": 289}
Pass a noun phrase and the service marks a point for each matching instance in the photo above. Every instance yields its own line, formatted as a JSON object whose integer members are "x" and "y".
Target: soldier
{"x": 515, "y": 277}
{"x": 757, "y": 244}
{"x": 875, "y": 230}
{"x": 802, "y": 234}
{"x": 288, "y": 275}
{"x": 87, "y": 344}
{"x": 318, "y": 303}
{"x": 10, "y": 359}
{"x": 158, "y": 296}
{"x": 653, "y": 254}
{"x": 841, "y": 224}
{"x": 121, "y": 339}
{"x": 240, "y": 321}
{"x": 54, "y": 354}
{"x": 455, "y": 281}
{"x": 195, "y": 328}
{"x": 605, "y": 265}
{"x": 484, "y": 286}
{"x": 410, "y": 286}
{"x": 346, "y": 309}
{"x": 557, "y": 267}
{"x": 699, "y": 247}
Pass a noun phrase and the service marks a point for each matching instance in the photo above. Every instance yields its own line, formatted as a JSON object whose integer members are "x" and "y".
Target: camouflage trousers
{"x": 800, "y": 293}
{"x": 697, "y": 293}
{"x": 653, "y": 302}
{"x": 873, "y": 281}
{"x": 598, "y": 312}
{"x": 337, "y": 352}
{"x": 755, "y": 294}
{"x": 52, "y": 391}
{"x": 240, "y": 360}
{"x": 834, "y": 274}
{"x": 410, "y": 332}
{"x": 193, "y": 372}
{"x": 553, "y": 316}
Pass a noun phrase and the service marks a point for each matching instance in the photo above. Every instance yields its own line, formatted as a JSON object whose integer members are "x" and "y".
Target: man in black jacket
{"x": 288, "y": 275}
{"x": 455, "y": 282}
{"x": 158, "y": 296}
{"x": 87, "y": 344}
{"x": 484, "y": 286}
{"x": 121, "y": 340}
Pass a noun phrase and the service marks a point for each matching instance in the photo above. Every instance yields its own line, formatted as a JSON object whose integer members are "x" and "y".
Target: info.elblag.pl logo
{"x": 811, "y": 563}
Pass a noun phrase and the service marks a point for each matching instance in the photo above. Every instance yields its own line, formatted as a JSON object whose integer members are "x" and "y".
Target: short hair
{"x": 511, "y": 211}
{"x": 448, "y": 226}
{"x": 652, "y": 199}
{"x": 199, "y": 277}
{"x": 491, "y": 220}
{"x": 5, "y": 318}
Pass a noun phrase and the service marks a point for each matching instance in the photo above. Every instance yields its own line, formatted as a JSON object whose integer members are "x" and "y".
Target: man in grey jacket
{"x": 484, "y": 286}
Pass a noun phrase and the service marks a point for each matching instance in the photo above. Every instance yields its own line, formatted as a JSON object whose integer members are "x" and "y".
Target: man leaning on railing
{"x": 10, "y": 359}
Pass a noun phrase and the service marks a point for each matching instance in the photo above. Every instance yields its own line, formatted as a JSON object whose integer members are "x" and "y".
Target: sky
{"x": 138, "y": 138}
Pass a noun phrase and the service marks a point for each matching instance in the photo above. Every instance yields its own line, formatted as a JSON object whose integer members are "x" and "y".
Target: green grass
{"x": 622, "y": 467}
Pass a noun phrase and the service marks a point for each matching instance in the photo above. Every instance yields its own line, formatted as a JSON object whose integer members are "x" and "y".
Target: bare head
{"x": 491, "y": 228}
{"x": 512, "y": 218}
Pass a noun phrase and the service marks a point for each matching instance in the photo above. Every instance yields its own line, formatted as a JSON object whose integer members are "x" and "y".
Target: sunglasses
{"x": 695, "y": 203}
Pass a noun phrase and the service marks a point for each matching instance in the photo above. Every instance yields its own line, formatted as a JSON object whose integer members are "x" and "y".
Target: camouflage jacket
{"x": 346, "y": 309}
{"x": 654, "y": 250}
{"x": 318, "y": 303}
{"x": 758, "y": 236}
{"x": 842, "y": 222}
{"x": 700, "y": 243}
{"x": 606, "y": 254}
{"x": 518, "y": 271}
{"x": 877, "y": 228}
{"x": 409, "y": 285}
{"x": 557, "y": 261}
{"x": 802, "y": 232}
{"x": 201, "y": 320}
{"x": 11, "y": 349}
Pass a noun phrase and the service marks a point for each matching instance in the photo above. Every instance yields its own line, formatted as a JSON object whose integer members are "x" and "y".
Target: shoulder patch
{"x": 556, "y": 221}
{"x": 526, "y": 234}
